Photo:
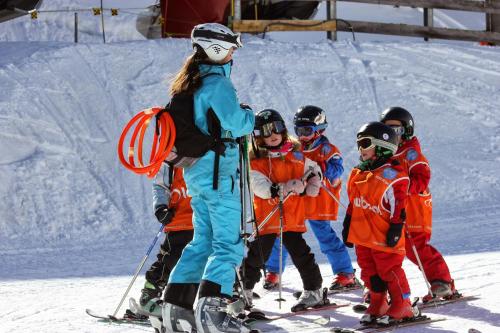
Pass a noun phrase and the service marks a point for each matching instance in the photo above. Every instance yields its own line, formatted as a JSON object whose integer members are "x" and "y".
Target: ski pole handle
{"x": 138, "y": 270}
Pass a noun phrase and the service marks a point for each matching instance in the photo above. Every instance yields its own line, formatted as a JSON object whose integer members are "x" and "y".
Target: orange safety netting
{"x": 163, "y": 141}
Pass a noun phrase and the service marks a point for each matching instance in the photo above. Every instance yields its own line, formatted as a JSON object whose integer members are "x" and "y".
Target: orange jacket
{"x": 274, "y": 168}
{"x": 371, "y": 194}
{"x": 323, "y": 207}
{"x": 419, "y": 206}
{"x": 170, "y": 189}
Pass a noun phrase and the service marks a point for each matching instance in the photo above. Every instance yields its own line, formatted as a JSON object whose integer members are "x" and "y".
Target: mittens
{"x": 294, "y": 186}
{"x": 313, "y": 186}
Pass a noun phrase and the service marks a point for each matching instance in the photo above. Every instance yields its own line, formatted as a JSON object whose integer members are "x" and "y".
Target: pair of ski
{"x": 128, "y": 318}
{"x": 257, "y": 315}
{"x": 361, "y": 307}
{"x": 297, "y": 294}
{"x": 373, "y": 328}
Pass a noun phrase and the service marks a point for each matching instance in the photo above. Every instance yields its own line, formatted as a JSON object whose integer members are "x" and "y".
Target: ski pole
{"x": 408, "y": 235}
{"x": 332, "y": 195}
{"x": 242, "y": 287}
{"x": 138, "y": 270}
{"x": 280, "y": 205}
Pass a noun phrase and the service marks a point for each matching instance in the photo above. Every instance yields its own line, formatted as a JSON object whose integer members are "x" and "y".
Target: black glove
{"x": 345, "y": 231}
{"x": 394, "y": 234}
{"x": 164, "y": 214}
{"x": 245, "y": 106}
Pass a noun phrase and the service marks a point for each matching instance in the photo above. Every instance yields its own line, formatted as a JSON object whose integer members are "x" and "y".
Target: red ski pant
{"x": 435, "y": 267}
{"x": 387, "y": 266}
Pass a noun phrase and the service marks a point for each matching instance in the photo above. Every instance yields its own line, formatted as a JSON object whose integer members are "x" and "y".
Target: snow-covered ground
{"x": 74, "y": 223}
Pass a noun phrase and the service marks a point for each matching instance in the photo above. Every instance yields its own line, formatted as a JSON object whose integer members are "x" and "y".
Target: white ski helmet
{"x": 215, "y": 39}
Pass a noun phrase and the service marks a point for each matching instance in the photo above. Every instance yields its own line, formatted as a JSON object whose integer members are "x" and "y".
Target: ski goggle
{"x": 308, "y": 130}
{"x": 365, "y": 143}
{"x": 268, "y": 129}
{"x": 400, "y": 130}
{"x": 368, "y": 142}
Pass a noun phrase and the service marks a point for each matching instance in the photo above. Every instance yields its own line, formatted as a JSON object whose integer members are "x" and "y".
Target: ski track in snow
{"x": 74, "y": 223}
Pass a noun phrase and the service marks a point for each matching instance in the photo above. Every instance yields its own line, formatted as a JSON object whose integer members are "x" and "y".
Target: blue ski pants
{"x": 217, "y": 248}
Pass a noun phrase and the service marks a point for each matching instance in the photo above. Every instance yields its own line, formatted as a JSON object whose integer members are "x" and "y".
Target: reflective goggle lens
{"x": 365, "y": 143}
{"x": 305, "y": 130}
{"x": 268, "y": 129}
{"x": 400, "y": 130}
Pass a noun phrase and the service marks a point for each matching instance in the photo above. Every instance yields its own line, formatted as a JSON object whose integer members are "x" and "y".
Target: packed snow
{"x": 75, "y": 224}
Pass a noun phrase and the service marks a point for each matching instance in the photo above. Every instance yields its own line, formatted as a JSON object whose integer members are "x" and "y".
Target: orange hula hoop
{"x": 162, "y": 142}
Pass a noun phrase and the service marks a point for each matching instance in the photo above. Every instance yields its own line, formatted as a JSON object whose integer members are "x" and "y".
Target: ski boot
{"x": 399, "y": 311}
{"x": 176, "y": 319}
{"x": 311, "y": 299}
{"x": 271, "y": 281}
{"x": 150, "y": 301}
{"x": 441, "y": 290}
{"x": 213, "y": 316}
{"x": 344, "y": 281}
{"x": 377, "y": 308}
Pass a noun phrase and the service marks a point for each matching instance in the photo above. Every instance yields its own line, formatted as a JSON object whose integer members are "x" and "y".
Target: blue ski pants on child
{"x": 330, "y": 244}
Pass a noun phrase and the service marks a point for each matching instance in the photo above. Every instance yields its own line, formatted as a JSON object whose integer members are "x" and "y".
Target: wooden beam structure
{"x": 418, "y": 31}
{"x": 465, "y": 5}
{"x": 260, "y": 26}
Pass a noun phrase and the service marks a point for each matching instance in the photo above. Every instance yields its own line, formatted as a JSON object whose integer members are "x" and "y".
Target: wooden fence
{"x": 332, "y": 24}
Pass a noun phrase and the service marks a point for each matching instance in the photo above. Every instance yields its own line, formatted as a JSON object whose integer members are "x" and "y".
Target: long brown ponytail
{"x": 188, "y": 79}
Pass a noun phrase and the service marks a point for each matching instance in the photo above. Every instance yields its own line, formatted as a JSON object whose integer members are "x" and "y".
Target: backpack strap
{"x": 170, "y": 174}
{"x": 218, "y": 146}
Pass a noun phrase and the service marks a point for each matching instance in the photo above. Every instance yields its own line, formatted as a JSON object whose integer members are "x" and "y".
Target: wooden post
{"x": 76, "y": 27}
{"x": 428, "y": 19}
{"x": 331, "y": 14}
{"x": 102, "y": 22}
{"x": 493, "y": 20}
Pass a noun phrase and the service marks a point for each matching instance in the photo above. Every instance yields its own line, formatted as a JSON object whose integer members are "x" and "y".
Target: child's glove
{"x": 345, "y": 230}
{"x": 295, "y": 186}
{"x": 394, "y": 234}
{"x": 313, "y": 186}
{"x": 164, "y": 214}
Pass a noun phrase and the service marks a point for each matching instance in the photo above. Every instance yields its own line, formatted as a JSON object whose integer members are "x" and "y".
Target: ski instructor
{"x": 208, "y": 262}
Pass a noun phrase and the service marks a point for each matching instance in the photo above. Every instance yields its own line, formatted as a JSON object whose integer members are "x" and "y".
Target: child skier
{"x": 377, "y": 190}
{"x": 277, "y": 164}
{"x": 310, "y": 124}
{"x": 419, "y": 207}
{"x": 172, "y": 208}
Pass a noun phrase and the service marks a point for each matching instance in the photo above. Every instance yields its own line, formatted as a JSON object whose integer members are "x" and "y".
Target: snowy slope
{"x": 74, "y": 223}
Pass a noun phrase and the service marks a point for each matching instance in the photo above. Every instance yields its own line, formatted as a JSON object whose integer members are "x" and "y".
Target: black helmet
{"x": 268, "y": 121}
{"x": 379, "y": 135}
{"x": 405, "y": 117}
{"x": 310, "y": 115}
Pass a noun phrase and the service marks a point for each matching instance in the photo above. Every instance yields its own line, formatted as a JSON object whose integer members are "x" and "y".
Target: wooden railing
{"x": 332, "y": 24}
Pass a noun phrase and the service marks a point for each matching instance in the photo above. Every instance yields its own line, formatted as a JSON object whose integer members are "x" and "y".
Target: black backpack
{"x": 191, "y": 143}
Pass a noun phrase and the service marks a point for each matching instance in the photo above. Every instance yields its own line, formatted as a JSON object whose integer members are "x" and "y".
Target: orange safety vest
{"x": 419, "y": 206}
{"x": 323, "y": 207}
{"x": 279, "y": 170}
{"x": 370, "y": 220}
{"x": 181, "y": 202}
